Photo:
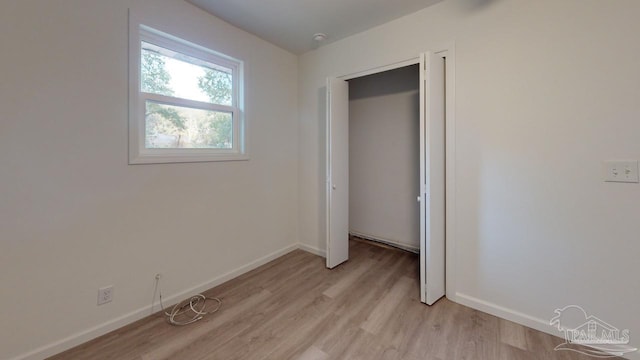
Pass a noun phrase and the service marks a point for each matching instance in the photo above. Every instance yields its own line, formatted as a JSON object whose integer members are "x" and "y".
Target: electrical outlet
{"x": 621, "y": 171}
{"x": 105, "y": 294}
{"x": 158, "y": 276}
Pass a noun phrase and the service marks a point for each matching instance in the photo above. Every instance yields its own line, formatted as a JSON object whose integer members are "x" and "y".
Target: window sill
{"x": 184, "y": 158}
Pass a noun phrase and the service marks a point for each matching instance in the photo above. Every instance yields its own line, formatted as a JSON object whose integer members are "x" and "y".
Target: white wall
{"x": 74, "y": 216}
{"x": 384, "y": 156}
{"x": 545, "y": 91}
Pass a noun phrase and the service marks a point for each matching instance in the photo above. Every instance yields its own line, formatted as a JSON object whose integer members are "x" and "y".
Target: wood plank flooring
{"x": 295, "y": 308}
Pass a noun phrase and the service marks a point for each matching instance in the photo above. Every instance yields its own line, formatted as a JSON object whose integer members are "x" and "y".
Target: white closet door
{"x": 337, "y": 240}
{"x": 432, "y": 178}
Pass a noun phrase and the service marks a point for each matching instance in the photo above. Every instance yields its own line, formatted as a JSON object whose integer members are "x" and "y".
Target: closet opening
{"x": 384, "y": 158}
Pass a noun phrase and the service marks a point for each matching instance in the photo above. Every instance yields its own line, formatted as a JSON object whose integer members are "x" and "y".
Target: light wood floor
{"x": 295, "y": 308}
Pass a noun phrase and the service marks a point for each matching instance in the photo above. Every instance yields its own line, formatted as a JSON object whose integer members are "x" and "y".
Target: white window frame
{"x": 138, "y": 152}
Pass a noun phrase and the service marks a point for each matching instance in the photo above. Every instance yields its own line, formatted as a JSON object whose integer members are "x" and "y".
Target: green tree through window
{"x": 208, "y": 129}
{"x": 155, "y": 79}
{"x": 218, "y": 86}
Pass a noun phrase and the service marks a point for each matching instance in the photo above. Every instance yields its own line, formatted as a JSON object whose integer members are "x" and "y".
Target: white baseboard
{"x": 389, "y": 242}
{"x": 517, "y": 317}
{"x": 323, "y": 253}
{"x": 104, "y": 328}
{"x": 312, "y": 250}
{"x": 507, "y": 314}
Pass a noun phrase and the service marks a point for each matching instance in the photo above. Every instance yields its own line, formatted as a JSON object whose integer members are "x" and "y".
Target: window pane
{"x": 176, "y": 127}
{"x": 169, "y": 73}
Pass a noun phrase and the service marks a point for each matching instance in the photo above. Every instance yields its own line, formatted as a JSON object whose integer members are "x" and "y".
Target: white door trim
{"x": 383, "y": 68}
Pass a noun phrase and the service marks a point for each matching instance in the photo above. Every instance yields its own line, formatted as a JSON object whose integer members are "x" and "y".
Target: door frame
{"x": 447, "y": 51}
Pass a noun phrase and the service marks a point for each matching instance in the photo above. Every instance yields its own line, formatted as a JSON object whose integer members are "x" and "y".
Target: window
{"x": 186, "y": 102}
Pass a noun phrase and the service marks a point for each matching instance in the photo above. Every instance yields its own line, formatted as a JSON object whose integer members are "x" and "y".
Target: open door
{"x": 432, "y": 178}
{"x": 337, "y": 201}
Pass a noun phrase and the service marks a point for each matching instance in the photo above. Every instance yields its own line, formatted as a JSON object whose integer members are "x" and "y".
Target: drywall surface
{"x": 384, "y": 156}
{"x": 545, "y": 91}
{"x": 74, "y": 216}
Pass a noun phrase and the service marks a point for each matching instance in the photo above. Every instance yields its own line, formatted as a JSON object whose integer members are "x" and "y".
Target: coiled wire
{"x": 190, "y": 310}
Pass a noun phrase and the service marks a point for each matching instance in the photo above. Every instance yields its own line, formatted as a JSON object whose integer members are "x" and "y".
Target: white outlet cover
{"x": 105, "y": 295}
{"x": 621, "y": 171}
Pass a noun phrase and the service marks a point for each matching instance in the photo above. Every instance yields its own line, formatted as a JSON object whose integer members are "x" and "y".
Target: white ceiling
{"x": 291, "y": 24}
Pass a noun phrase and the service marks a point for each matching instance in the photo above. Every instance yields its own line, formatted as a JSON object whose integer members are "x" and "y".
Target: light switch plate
{"x": 621, "y": 171}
